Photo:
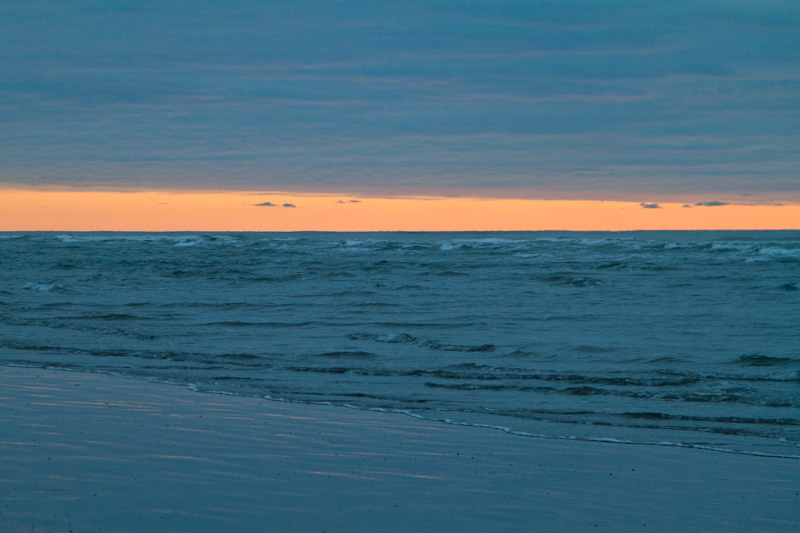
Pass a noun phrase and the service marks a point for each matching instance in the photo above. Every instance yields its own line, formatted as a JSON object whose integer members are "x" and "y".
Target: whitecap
{"x": 188, "y": 241}
{"x": 777, "y": 254}
{"x": 40, "y": 287}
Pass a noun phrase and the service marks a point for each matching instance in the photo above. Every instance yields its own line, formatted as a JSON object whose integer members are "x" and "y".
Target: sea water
{"x": 661, "y": 338}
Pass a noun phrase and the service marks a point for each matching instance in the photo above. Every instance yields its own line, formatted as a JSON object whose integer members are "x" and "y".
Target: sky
{"x": 652, "y": 103}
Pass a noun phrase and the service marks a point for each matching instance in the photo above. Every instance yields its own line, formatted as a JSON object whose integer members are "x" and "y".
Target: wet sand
{"x": 91, "y": 452}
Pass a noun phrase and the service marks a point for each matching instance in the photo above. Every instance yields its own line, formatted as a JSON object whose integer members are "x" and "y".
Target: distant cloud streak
{"x": 711, "y": 204}
{"x": 270, "y": 204}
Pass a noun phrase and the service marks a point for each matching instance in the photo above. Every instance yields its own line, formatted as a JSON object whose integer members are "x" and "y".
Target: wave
{"x": 347, "y": 354}
{"x": 603, "y": 249}
{"x": 776, "y": 254}
{"x": 195, "y": 358}
{"x": 44, "y": 287}
{"x": 570, "y": 279}
{"x": 545, "y": 429}
{"x": 175, "y": 240}
{"x": 401, "y": 338}
{"x": 764, "y": 360}
{"x": 647, "y": 415}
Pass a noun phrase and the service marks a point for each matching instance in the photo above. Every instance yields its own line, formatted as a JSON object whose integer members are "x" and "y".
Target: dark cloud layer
{"x": 622, "y": 97}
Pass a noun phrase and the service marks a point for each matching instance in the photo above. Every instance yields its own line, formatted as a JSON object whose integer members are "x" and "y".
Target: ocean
{"x": 643, "y": 338}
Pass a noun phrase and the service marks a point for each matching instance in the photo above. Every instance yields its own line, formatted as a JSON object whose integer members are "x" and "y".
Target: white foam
{"x": 350, "y": 243}
{"x": 457, "y": 244}
{"x": 772, "y": 253}
{"x": 188, "y": 241}
{"x": 40, "y": 287}
{"x": 177, "y": 240}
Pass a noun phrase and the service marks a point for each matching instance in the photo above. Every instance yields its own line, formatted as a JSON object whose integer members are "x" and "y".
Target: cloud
{"x": 485, "y": 98}
{"x": 711, "y": 204}
{"x": 349, "y": 202}
{"x": 650, "y": 206}
{"x": 270, "y": 204}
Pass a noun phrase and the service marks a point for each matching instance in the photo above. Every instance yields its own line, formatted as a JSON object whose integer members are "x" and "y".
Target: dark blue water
{"x": 677, "y": 338}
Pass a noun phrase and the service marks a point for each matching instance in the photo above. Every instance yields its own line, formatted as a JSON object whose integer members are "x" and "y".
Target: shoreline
{"x": 97, "y": 452}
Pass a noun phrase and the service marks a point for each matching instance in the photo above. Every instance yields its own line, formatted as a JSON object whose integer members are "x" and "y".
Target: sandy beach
{"x": 92, "y": 452}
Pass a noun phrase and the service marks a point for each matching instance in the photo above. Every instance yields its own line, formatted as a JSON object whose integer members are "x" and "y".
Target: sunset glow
{"x": 240, "y": 211}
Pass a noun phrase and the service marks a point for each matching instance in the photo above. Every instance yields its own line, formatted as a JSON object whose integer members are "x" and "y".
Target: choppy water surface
{"x": 688, "y": 338}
